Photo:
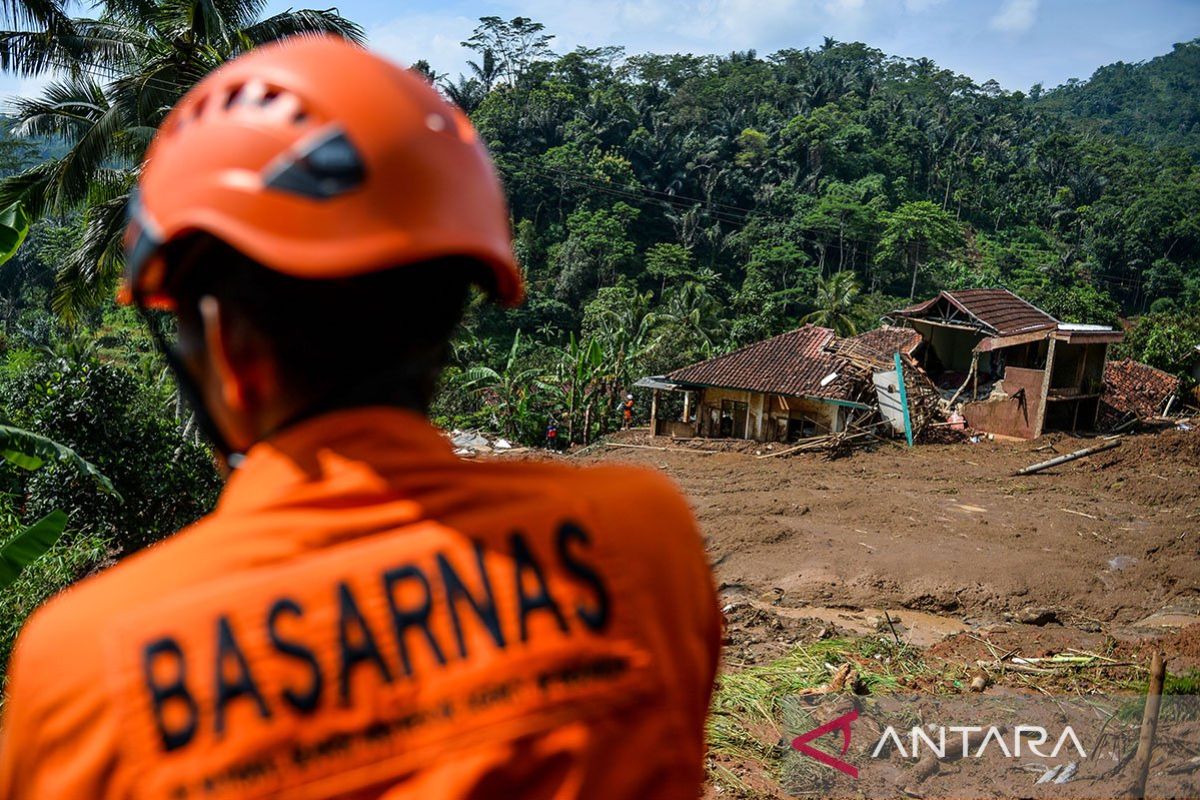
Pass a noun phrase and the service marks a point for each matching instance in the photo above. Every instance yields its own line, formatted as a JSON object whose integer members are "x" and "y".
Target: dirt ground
{"x": 940, "y": 550}
{"x": 943, "y": 538}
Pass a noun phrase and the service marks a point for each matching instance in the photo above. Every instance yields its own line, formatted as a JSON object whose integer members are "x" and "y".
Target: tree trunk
{"x": 912, "y": 292}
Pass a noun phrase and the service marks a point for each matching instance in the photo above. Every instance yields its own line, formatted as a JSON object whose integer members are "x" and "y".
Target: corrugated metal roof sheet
{"x": 998, "y": 310}
{"x": 793, "y": 363}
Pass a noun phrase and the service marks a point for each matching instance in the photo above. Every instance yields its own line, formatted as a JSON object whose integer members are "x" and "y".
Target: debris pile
{"x": 469, "y": 444}
{"x": 1140, "y": 390}
{"x": 865, "y": 357}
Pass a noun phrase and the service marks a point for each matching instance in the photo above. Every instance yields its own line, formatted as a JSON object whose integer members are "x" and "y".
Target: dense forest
{"x": 664, "y": 207}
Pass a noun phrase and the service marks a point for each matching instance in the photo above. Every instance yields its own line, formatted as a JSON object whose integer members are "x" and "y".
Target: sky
{"x": 1016, "y": 42}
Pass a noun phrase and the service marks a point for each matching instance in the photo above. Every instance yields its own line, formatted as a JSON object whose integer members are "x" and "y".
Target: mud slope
{"x": 1111, "y": 539}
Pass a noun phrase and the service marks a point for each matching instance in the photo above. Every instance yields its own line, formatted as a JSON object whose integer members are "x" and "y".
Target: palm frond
{"x": 305, "y": 21}
{"x": 31, "y": 188}
{"x": 66, "y": 109}
{"x": 91, "y": 272}
{"x": 47, "y": 15}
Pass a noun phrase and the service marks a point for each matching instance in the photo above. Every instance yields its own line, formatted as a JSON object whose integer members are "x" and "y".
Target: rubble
{"x": 1133, "y": 390}
{"x": 469, "y": 444}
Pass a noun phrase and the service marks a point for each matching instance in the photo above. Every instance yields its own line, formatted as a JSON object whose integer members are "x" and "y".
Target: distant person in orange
{"x": 364, "y": 615}
{"x": 627, "y": 412}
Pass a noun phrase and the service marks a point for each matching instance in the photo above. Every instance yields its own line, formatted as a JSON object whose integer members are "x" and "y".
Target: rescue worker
{"x": 363, "y": 615}
{"x": 627, "y": 412}
{"x": 552, "y": 433}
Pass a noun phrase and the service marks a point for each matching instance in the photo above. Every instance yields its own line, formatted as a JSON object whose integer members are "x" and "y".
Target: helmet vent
{"x": 234, "y": 94}
{"x": 325, "y": 168}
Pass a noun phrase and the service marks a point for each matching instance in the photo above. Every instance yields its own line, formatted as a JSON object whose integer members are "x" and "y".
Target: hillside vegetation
{"x": 665, "y": 208}
{"x": 1156, "y": 102}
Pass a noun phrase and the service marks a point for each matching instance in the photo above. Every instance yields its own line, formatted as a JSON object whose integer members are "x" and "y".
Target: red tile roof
{"x": 883, "y": 343}
{"x": 792, "y": 363}
{"x": 998, "y": 311}
{"x": 1133, "y": 387}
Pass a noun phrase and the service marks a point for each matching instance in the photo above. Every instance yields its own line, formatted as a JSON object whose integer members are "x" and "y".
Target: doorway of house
{"x": 733, "y": 419}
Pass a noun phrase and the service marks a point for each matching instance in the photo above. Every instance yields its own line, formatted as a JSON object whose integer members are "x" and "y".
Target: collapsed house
{"x": 792, "y": 386}
{"x": 1016, "y": 370}
{"x": 1004, "y": 365}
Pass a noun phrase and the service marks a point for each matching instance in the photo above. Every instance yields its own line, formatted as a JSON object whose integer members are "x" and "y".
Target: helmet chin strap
{"x": 367, "y": 391}
{"x": 189, "y": 390}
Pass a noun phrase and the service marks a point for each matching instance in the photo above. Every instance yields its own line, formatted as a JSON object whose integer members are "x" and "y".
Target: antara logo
{"x": 977, "y": 742}
{"x": 842, "y": 723}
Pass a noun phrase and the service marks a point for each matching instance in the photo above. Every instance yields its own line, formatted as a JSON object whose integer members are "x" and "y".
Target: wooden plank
{"x": 1040, "y": 423}
{"x": 908, "y": 432}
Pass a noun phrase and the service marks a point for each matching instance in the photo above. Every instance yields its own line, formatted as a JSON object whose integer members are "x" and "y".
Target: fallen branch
{"x": 1054, "y": 462}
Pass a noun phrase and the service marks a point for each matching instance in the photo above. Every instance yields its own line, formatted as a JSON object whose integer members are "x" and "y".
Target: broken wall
{"x": 1016, "y": 414}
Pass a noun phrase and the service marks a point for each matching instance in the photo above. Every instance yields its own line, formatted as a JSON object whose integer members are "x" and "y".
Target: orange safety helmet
{"x": 319, "y": 160}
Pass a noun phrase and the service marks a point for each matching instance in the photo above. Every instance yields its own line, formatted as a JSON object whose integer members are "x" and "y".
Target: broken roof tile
{"x": 794, "y": 363}
{"x": 1131, "y": 387}
{"x": 997, "y": 311}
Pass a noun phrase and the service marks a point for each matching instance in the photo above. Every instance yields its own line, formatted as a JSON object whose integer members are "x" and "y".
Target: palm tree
{"x": 120, "y": 72}
{"x": 693, "y": 307}
{"x": 836, "y": 296}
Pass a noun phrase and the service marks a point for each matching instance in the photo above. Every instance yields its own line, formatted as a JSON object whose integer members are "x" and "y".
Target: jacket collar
{"x": 349, "y": 451}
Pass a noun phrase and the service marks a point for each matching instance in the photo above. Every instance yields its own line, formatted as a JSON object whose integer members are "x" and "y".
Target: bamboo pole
{"x": 1158, "y": 674}
{"x": 1054, "y": 462}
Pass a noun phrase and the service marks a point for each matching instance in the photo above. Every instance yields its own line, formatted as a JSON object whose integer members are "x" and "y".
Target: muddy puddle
{"x": 912, "y": 627}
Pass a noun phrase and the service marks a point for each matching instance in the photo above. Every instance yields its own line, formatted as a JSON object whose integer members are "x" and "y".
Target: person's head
{"x": 313, "y": 215}
{"x": 262, "y": 348}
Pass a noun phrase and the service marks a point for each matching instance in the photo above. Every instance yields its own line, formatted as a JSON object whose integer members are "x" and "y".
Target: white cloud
{"x": 1015, "y": 16}
{"x": 434, "y": 37}
{"x": 918, "y": 6}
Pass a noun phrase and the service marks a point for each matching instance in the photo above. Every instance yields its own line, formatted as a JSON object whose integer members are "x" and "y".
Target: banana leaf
{"x": 29, "y": 451}
{"x": 14, "y": 226}
{"x": 29, "y": 545}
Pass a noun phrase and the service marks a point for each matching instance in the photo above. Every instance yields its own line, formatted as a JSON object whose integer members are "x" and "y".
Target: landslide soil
{"x": 1110, "y": 542}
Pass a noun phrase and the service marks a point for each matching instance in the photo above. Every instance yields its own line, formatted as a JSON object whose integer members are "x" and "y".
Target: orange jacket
{"x": 366, "y": 616}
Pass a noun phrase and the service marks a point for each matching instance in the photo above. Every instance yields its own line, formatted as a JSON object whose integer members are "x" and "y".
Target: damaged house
{"x": 788, "y": 387}
{"x": 1016, "y": 370}
{"x": 1005, "y": 365}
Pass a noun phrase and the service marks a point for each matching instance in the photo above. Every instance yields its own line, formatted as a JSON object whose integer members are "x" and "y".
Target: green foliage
{"x": 917, "y": 232}
{"x": 1156, "y": 102}
{"x": 14, "y": 227}
{"x": 28, "y": 545}
{"x": 836, "y": 298}
{"x": 669, "y": 262}
{"x": 667, "y": 208}
{"x": 29, "y": 451}
{"x": 162, "y": 480}
{"x": 1167, "y": 341}
{"x": 1080, "y": 302}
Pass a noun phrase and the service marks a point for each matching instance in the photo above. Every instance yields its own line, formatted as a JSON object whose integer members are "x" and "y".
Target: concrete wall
{"x": 952, "y": 346}
{"x": 766, "y": 414}
{"x": 674, "y": 428}
{"x": 1017, "y": 414}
